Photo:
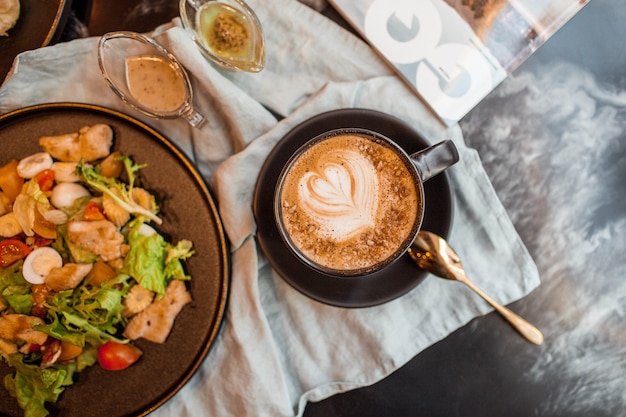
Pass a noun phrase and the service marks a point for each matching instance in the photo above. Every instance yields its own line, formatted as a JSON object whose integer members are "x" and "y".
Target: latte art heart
{"x": 348, "y": 202}
{"x": 341, "y": 194}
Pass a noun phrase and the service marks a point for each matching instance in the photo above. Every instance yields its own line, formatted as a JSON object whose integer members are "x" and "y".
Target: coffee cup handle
{"x": 435, "y": 159}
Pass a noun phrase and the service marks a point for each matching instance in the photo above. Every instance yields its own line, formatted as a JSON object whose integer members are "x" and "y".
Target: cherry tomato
{"x": 45, "y": 179}
{"x": 115, "y": 356}
{"x": 12, "y": 250}
{"x": 39, "y": 241}
{"x": 93, "y": 212}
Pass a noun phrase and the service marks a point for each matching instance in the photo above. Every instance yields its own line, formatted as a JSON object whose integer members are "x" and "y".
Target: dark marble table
{"x": 552, "y": 138}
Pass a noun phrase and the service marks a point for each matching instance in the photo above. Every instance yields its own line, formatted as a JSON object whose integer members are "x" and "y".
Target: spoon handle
{"x": 530, "y": 332}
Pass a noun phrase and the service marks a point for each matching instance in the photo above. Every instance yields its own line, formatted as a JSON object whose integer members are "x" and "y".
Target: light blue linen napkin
{"x": 279, "y": 349}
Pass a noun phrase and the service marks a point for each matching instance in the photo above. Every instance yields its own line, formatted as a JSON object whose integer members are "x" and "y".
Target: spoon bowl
{"x": 433, "y": 254}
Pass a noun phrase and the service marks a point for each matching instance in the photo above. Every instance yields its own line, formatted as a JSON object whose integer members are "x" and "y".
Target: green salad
{"x": 83, "y": 273}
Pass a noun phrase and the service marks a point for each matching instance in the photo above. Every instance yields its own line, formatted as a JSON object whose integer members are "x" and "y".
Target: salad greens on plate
{"x": 83, "y": 274}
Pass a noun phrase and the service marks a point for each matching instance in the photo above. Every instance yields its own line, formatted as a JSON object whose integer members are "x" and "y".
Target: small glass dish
{"x": 147, "y": 77}
{"x": 227, "y": 32}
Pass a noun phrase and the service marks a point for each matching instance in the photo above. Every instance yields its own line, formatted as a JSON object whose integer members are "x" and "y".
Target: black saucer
{"x": 392, "y": 282}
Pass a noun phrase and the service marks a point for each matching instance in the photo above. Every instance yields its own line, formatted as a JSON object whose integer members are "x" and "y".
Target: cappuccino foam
{"x": 349, "y": 202}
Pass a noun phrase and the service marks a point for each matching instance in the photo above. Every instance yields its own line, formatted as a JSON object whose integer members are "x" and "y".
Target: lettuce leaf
{"x": 33, "y": 386}
{"x": 88, "y": 314}
{"x": 60, "y": 332}
{"x": 145, "y": 260}
{"x": 174, "y": 261}
{"x": 14, "y": 290}
{"x": 119, "y": 191}
{"x": 152, "y": 261}
{"x": 87, "y": 358}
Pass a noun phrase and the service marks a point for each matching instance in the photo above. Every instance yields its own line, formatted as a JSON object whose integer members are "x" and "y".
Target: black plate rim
{"x": 224, "y": 290}
{"x": 266, "y": 234}
{"x": 45, "y": 35}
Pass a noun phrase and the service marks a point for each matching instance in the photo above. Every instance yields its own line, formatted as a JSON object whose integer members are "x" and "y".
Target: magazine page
{"x": 454, "y": 52}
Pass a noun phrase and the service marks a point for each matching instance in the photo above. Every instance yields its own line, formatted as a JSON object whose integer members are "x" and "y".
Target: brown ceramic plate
{"x": 188, "y": 211}
{"x": 40, "y": 24}
{"x": 382, "y": 286}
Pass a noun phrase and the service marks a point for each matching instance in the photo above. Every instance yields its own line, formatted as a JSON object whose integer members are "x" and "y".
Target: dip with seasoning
{"x": 147, "y": 77}
{"x": 155, "y": 83}
{"x": 224, "y": 30}
{"x": 227, "y": 32}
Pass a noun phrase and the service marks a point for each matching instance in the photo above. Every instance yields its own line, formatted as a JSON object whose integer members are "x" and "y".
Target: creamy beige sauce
{"x": 154, "y": 83}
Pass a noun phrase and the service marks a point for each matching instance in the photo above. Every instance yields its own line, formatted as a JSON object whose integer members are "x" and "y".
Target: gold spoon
{"x": 433, "y": 254}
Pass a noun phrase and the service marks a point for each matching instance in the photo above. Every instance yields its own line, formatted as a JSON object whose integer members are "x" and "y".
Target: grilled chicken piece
{"x": 97, "y": 236}
{"x": 67, "y": 277}
{"x": 89, "y": 143}
{"x": 64, "y": 147}
{"x": 156, "y": 321}
{"x": 7, "y": 348}
{"x": 18, "y": 328}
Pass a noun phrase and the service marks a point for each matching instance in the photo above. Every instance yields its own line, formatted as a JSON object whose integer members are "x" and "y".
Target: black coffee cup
{"x": 350, "y": 201}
